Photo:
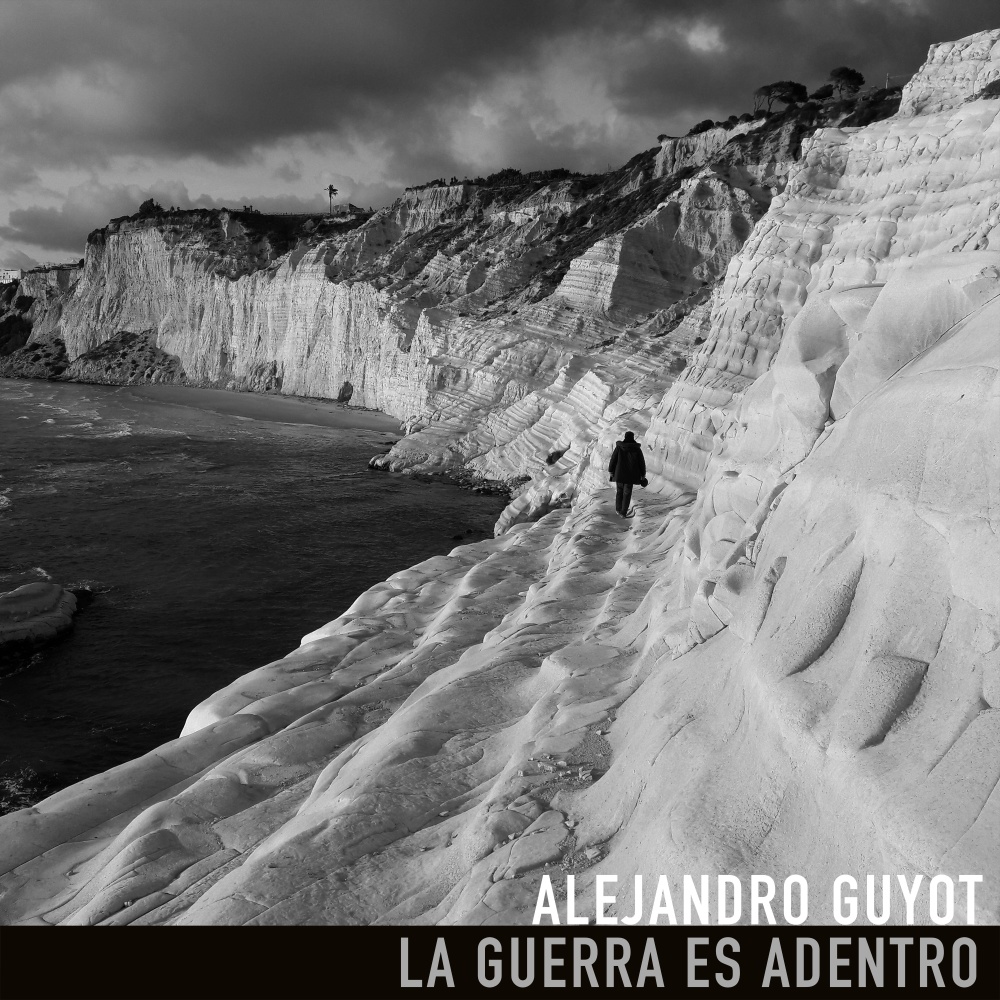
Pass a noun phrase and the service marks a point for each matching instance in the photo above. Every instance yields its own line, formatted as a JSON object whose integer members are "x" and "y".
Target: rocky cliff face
{"x": 37, "y": 295}
{"x": 787, "y": 661}
{"x": 474, "y": 292}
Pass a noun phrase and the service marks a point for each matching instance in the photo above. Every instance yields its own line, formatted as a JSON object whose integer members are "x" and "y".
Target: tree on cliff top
{"x": 846, "y": 80}
{"x": 331, "y": 191}
{"x": 702, "y": 126}
{"x": 150, "y": 207}
{"x": 786, "y": 91}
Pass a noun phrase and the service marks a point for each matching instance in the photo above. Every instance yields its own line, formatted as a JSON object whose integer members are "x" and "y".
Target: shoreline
{"x": 271, "y": 407}
{"x": 295, "y": 417}
{"x": 464, "y": 479}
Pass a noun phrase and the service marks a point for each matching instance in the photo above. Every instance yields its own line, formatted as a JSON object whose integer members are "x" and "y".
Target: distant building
{"x": 9, "y": 274}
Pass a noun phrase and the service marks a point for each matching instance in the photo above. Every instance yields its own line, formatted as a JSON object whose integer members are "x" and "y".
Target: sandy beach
{"x": 256, "y": 406}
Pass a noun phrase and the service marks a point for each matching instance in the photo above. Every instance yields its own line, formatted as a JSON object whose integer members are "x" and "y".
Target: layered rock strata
{"x": 787, "y": 661}
{"x": 475, "y": 292}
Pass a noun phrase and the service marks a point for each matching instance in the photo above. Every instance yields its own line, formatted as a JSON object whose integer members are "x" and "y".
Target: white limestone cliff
{"x": 953, "y": 72}
{"x": 787, "y": 661}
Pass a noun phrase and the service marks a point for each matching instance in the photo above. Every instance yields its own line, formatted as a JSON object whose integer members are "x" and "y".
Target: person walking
{"x": 627, "y": 468}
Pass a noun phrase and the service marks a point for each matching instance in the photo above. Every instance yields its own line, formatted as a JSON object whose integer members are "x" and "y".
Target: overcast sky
{"x": 203, "y": 102}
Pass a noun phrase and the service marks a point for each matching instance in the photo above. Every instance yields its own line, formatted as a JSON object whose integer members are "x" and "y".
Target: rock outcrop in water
{"x": 34, "y": 614}
{"x": 789, "y": 661}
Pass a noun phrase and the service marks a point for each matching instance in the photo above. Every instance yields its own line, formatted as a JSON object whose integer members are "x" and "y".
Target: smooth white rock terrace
{"x": 787, "y": 661}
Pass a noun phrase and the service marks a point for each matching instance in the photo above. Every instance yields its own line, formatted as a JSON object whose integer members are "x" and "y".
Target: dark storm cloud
{"x": 86, "y": 207}
{"x": 769, "y": 40}
{"x": 87, "y": 84}
{"x": 89, "y": 206}
{"x": 222, "y": 78}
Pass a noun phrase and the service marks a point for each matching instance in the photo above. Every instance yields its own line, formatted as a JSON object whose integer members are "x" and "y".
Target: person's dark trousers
{"x": 623, "y": 498}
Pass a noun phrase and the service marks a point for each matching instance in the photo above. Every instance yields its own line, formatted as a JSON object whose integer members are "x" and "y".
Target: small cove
{"x": 215, "y": 530}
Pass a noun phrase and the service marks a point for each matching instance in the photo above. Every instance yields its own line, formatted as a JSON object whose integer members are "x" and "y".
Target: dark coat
{"x": 627, "y": 464}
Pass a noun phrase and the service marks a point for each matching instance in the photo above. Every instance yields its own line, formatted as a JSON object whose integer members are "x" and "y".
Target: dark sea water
{"x": 213, "y": 543}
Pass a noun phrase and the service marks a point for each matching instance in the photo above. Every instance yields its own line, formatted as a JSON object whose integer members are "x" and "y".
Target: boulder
{"x": 35, "y": 613}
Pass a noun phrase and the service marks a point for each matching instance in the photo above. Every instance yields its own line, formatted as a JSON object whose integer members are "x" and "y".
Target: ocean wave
{"x": 14, "y": 391}
{"x": 94, "y": 586}
{"x": 20, "y": 575}
{"x": 88, "y": 426}
{"x": 36, "y": 490}
{"x": 123, "y": 431}
{"x": 113, "y": 430}
{"x": 163, "y": 431}
{"x": 17, "y": 663}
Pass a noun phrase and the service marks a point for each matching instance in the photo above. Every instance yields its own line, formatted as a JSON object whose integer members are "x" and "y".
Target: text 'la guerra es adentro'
{"x": 869, "y": 957}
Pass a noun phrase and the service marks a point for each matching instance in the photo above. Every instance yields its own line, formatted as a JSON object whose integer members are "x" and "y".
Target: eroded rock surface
{"x": 787, "y": 661}
{"x": 127, "y": 359}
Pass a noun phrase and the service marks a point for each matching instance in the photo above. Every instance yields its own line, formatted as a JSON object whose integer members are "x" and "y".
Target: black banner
{"x": 258, "y": 963}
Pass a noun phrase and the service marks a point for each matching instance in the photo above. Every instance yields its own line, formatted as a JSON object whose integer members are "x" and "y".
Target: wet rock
{"x": 35, "y": 613}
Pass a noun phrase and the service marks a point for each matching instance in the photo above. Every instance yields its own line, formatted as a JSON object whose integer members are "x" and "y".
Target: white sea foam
{"x": 36, "y": 489}
{"x": 94, "y": 586}
{"x": 14, "y": 391}
{"x": 121, "y": 429}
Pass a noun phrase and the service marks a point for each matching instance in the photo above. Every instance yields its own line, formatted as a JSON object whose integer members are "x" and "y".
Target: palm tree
{"x": 331, "y": 190}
